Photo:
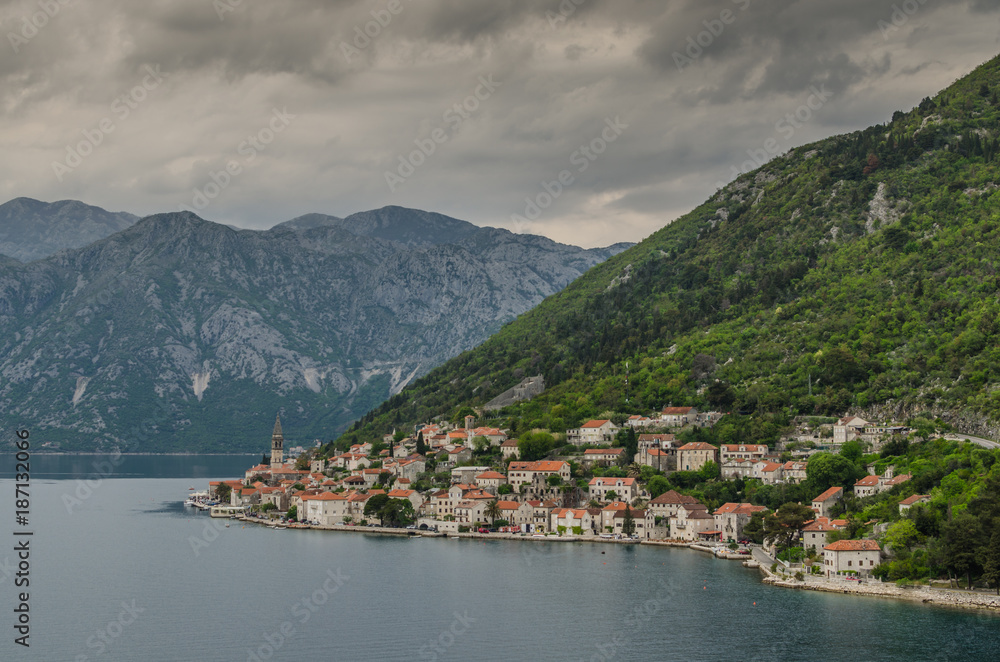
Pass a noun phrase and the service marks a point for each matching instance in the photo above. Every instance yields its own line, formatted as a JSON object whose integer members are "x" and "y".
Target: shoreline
{"x": 932, "y": 597}
{"x": 955, "y": 599}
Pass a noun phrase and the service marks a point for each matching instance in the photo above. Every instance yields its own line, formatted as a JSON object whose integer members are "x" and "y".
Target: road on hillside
{"x": 979, "y": 441}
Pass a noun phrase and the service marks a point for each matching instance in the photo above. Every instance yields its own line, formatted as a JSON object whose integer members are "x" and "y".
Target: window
{"x": 849, "y": 564}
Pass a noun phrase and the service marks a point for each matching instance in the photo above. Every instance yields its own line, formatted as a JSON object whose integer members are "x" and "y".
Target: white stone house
{"x": 851, "y": 556}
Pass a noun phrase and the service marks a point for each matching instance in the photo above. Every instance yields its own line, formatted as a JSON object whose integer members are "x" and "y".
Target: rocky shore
{"x": 940, "y": 597}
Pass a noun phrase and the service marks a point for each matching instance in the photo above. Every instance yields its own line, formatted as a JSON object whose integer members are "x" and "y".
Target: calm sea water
{"x": 124, "y": 572}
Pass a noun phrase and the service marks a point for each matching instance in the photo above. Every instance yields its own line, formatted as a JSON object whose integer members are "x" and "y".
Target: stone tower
{"x": 277, "y": 444}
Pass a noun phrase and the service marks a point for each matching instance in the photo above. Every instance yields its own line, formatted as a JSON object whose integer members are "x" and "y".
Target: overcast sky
{"x": 142, "y": 106}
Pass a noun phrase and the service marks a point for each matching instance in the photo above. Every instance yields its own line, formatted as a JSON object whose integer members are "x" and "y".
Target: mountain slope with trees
{"x": 856, "y": 273}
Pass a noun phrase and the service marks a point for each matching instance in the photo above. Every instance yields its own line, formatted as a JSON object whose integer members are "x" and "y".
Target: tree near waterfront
{"x": 493, "y": 511}
{"x": 391, "y": 512}
{"x": 628, "y": 523}
{"x": 784, "y": 525}
{"x": 223, "y": 492}
{"x": 991, "y": 561}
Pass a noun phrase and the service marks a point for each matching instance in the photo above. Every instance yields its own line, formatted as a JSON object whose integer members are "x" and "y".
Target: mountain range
{"x": 855, "y": 274}
{"x": 176, "y": 333}
{"x": 31, "y": 229}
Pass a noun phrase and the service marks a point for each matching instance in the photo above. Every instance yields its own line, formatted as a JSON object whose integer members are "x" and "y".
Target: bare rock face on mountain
{"x": 31, "y": 230}
{"x": 181, "y": 334}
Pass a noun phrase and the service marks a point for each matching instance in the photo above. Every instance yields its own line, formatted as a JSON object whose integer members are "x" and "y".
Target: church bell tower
{"x": 277, "y": 443}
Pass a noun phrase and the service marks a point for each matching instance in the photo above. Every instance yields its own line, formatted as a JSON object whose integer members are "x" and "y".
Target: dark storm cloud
{"x": 363, "y": 86}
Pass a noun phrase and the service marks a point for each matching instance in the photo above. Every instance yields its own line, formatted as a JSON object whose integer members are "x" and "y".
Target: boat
{"x": 454, "y": 537}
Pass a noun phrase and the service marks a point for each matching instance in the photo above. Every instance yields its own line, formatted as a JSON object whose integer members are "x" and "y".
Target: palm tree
{"x": 633, "y": 470}
{"x": 493, "y": 511}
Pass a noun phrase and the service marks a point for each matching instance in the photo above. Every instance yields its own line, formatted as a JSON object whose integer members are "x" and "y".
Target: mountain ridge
{"x": 193, "y": 333}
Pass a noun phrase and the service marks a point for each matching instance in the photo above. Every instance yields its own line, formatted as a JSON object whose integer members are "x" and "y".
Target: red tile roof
{"x": 739, "y": 509}
{"x": 821, "y": 524}
{"x": 672, "y": 497}
{"x": 595, "y": 424}
{"x": 613, "y": 482}
{"x": 854, "y": 546}
{"x": 697, "y": 446}
{"x": 829, "y": 494}
{"x": 867, "y": 481}
{"x": 910, "y": 500}
{"x": 676, "y": 411}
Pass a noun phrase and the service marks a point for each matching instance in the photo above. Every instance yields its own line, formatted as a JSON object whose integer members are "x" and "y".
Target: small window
{"x": 849, "y": 564}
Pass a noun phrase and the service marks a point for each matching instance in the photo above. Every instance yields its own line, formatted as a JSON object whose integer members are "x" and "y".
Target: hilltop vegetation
{"x": 852, "y": 272}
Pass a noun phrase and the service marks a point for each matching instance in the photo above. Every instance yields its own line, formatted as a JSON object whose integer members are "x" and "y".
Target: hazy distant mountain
{"x": 409, "y": 226}
{"x": 179, "y": 333}
{"x": 31, "y": 229}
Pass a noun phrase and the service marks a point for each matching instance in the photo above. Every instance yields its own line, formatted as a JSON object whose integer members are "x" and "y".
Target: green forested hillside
{"x": 858, "y": 270}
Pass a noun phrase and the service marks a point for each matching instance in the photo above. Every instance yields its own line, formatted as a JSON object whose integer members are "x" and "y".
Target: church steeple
{"x": 277, "y": 443}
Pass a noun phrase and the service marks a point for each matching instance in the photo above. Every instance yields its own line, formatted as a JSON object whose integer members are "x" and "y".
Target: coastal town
{"x": 465, "y": 480}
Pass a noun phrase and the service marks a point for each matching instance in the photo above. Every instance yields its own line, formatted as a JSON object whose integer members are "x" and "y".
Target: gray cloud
{"x": 362, "y": 102}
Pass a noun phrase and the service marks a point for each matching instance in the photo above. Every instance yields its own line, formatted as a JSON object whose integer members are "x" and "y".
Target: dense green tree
{"x": 962, "y": 539}
{"x": 628, "y": 522}
{"x": 755, "y": 529}
{"x": 535, "y": 446}
{"x": 902, "y": 535}
{"x": 826, "y": 470}
{"x": 657, "y": 485}
{"x": 784, "y": 525}
{"x": 852, "y": 450}
{"x": 293, "y": 513}
{"x": 991, "y": 561}
{"x": 421, "y": 444}
{"x": 223, "y": 492}
{"x": 630, "y": 442}
{"x": 493, "y": 511}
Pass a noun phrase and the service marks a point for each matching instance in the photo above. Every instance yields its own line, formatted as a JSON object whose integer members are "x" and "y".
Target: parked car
{"x": 484, "y": 530}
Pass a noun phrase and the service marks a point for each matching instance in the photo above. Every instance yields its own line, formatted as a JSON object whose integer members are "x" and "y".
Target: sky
{"x": 587, "y": 121}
